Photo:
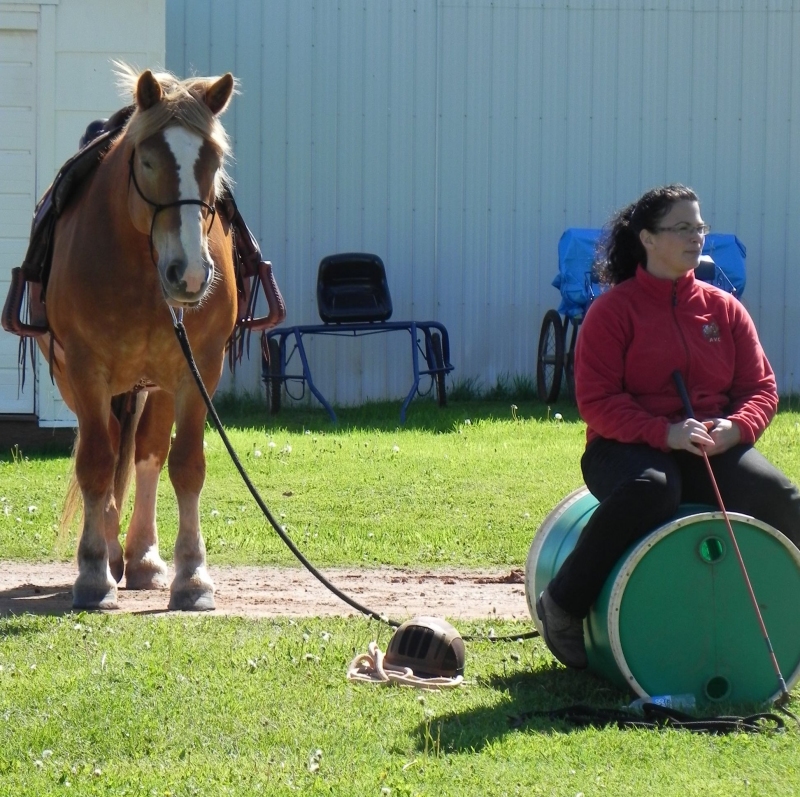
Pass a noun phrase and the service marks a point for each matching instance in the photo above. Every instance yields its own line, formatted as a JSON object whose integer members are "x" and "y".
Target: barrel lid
{"x": 680, "y": 619}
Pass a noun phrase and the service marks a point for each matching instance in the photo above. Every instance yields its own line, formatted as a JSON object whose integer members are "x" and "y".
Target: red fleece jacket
{"x": 636, "y": 334}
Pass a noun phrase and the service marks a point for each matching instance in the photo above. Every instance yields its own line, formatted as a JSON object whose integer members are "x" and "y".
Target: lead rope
{"x": 180, "y": 332}
{"x": 370, "y": 668}
{"x": 183, "y": 340}
{"x": 655, "y": 717}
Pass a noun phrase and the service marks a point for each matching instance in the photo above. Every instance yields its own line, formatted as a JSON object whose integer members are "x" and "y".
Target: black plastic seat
{"x": 352, "y": 288}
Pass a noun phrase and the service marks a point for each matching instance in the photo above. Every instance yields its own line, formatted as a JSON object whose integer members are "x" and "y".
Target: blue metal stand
{"x": 437, "y": 364}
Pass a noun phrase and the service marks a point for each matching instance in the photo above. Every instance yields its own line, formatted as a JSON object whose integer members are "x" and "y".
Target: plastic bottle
{"x": 684, "y": 702}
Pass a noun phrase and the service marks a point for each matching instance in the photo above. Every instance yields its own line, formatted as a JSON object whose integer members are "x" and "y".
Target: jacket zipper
{"x": 680, "y": 331}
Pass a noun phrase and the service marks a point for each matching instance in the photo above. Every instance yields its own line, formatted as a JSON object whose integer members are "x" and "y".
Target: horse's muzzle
{"x": 183, "y": 289}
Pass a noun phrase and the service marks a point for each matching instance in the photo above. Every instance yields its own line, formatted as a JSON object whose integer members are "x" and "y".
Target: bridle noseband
{"x": 159, "y": 208}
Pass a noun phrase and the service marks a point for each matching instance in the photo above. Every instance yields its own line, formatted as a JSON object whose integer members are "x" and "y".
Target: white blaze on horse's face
{"x": 184, "y": 261}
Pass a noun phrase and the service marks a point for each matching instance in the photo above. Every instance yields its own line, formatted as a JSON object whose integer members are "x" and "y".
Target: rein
{"x": 158, "y": 207}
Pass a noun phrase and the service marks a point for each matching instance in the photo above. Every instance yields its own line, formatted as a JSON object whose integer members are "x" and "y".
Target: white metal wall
{"x": 55, "y": 60}
{"x": 17, "y": 184}
{"x": 457, "y": 139}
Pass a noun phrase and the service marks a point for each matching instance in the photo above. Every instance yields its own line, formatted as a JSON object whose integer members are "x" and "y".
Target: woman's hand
{"x": 725, "y": 434}
{"x": 690, "y": 435}
{"x": 715, "y": 436}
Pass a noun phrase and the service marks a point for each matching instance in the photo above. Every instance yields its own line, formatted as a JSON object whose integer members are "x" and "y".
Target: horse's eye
{"x": 147, "y": 164}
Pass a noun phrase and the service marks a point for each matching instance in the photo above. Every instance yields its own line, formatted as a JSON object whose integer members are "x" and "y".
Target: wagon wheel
{"x": 550, "y": 357}
{"x": 438, "y": 361}
{"x": 272, "y": 375}
{"x": 569, "y": 366}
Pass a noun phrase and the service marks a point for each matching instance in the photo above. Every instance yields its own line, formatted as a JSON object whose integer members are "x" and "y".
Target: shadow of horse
{"x": 53, "y": 599}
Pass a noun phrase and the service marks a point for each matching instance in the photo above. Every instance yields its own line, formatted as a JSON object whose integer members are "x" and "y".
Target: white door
{"x": 17, "y": 193}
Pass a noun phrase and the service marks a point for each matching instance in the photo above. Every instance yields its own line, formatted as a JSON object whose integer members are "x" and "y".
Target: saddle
{"x": 25, "y": 308}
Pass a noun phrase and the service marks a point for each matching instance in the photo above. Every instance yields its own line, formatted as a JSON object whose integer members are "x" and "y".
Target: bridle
{"x": 158, "y": 207}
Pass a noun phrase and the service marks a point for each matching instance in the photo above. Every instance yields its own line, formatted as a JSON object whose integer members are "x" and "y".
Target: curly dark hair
{"x": 620, "y": 250}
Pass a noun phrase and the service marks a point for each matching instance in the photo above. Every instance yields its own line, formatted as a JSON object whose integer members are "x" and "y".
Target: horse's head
{"x": 176, "y": 170}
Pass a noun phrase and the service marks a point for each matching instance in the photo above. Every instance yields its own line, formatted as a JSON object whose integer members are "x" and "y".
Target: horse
{"x": 139, "y": 241}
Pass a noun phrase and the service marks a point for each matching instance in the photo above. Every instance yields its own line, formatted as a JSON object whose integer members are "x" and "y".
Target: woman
{"x": 643, "y": 456}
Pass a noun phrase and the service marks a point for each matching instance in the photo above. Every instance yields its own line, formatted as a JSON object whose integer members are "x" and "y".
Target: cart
{"x": 353, "y": 300}
{"x": 722, "y": 264}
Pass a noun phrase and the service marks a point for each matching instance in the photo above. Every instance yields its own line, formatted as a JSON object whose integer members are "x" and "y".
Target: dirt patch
{"x": 293, "y": 592}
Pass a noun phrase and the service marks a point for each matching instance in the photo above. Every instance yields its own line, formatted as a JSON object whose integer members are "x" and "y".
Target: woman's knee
{"x": 657, "y": 493}
{"x": 778, "y": 504}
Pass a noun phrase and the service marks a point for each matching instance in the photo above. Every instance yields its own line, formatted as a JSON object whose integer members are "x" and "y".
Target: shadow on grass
{"x": 422, "y": 415}
{"x": 540, "y": 691}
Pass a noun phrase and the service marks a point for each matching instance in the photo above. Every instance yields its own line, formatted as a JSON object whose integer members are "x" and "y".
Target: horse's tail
{"x": 127, "y": 409}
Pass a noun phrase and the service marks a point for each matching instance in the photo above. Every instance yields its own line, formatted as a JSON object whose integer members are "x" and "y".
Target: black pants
{"x": 641, "y": 488}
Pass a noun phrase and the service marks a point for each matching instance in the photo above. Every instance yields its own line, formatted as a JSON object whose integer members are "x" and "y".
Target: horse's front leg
{"x": 192, "y": 588}
{"x": 95, "y": 463}
{"x": 144, "y": 567}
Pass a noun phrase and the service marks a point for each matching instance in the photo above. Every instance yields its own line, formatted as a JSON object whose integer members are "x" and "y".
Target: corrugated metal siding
{"x": 458, "y": 139}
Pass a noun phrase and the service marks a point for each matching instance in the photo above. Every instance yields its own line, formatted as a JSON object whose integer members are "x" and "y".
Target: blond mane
{"x": 182, "y": 104}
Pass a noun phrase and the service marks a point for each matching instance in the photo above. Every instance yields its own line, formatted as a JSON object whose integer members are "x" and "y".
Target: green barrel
{"x": 675, "y": 616}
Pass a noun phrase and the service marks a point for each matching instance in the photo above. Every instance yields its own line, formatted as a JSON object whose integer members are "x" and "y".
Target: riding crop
{"x": 784, "y": 697}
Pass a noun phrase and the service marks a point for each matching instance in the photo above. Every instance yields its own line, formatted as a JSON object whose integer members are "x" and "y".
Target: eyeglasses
{"x": 686, "y": 230}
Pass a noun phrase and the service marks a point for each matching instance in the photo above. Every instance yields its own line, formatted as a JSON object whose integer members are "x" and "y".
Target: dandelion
{"x": 271, "y": 444}
{"x": 47, "y": 753}
{"x": 32, "y": 509}
{"x": 558, "y": 417}
{"x": 205, "y": 445}
{"x": 396, "y": 449}
{"x": 287, "y": 449}
{"x": 467, "y": 422}
{"x": 256, "y": 453}
{"x": 215, "y": 513}
{"x": 313, "y": 760}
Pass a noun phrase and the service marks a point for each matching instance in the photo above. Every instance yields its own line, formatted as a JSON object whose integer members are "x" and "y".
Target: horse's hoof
{"x": 147, "y": 574}
{"x": 117, "y": 568}
{"x": 94, "y": 597}
{"x": 192, "y": 600}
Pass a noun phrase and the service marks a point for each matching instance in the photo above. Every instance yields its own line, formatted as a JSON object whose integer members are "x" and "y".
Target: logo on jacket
{"x": 711, "y": 332}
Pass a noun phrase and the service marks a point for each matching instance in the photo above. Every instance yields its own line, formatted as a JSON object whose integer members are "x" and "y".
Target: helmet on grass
{"x": 429, "y": 646}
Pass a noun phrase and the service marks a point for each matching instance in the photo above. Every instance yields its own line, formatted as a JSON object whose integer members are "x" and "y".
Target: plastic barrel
{"x": 674, "y": 616}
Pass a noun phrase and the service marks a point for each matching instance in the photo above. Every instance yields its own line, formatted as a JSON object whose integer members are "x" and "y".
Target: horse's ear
{"x": 148, "y": 91}
{"x": 219, "y": 94}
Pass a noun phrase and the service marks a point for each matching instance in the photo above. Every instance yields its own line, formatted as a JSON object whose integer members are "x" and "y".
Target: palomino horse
{"x": 141, "y": 237}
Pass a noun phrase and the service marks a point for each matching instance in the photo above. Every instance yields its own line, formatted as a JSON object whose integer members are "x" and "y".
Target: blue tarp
{"x": 576, "y": 254}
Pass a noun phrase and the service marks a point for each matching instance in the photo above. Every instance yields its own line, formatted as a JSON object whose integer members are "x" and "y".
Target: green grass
{"x": 135, "y": 705}
{"x": 143, "y": 706}
{"x": 467, "y": 485}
